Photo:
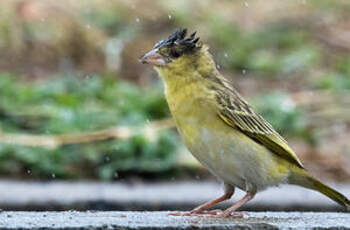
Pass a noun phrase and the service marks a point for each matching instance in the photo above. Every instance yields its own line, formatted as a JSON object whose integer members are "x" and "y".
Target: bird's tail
{"x": 304, "y": 179}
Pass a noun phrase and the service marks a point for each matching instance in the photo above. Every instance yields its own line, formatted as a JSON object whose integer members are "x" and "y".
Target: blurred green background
{"x": 71, "y": 67}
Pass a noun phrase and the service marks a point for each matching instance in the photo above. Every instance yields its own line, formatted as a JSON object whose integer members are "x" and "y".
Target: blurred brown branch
{"x": 52, "y": 142}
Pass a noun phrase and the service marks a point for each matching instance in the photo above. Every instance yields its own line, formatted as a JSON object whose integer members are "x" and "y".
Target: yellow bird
{"x": 221, "y": 129}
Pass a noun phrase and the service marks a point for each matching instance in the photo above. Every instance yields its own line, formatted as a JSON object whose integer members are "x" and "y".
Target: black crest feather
{"x": 178, "y": 38}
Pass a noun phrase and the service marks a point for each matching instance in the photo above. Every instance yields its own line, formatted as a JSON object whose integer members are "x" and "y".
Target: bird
{"x": 221, "y": 130}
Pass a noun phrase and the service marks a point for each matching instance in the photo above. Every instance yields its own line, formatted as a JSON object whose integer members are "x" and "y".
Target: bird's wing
{"x": 236, "y": 112}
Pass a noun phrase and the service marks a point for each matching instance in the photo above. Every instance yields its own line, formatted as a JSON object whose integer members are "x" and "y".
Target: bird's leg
{"x": 229, "y": 190}
{"x": 250, "y": 195}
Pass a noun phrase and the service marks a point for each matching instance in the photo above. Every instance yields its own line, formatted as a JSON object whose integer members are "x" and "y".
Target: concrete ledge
{"x": 63, "y": 195}
{"x": 161, "y": 220}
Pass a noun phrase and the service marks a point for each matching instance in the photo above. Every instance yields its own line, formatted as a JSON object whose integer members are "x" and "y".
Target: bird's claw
{"x": 179, "y": 214}
{"x": 233, "y": 214}
{"x": 197, "y": 213}
{"x": 210, "y": 213}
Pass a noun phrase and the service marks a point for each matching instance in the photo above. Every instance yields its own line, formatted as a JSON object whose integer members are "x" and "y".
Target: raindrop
{"x": 218, "y": 66}
{"x": 288, "y": 105}
{"x": 29, "y": 171}
{"x": 53, "y": 175}
{"x": 169, "y": 16}
{"x": 137, "y": 20}
{"x": 246, "y": 4}
{"x": 244, "y": 71}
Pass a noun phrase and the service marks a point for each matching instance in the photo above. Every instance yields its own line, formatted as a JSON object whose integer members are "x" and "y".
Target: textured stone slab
{"x": 61, "y": 195}
{"x": 161, "y": 220}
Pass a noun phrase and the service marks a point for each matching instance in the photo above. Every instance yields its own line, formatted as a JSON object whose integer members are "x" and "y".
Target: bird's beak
{"x": 153, "y": 58}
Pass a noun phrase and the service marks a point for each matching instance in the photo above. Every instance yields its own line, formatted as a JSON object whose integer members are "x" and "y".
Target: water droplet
{"x": 137, "y": 20}
{"x": 53, "y": 175}
{"x": 169, "y": 16}
{"x": 244, "y": 71}
{"x": 288, "y": 105}
{"x": 29, "y": 171}
{"x": 246, "y": 4}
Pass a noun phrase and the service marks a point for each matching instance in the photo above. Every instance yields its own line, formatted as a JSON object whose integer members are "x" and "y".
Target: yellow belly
{"x": 231, "y": 155}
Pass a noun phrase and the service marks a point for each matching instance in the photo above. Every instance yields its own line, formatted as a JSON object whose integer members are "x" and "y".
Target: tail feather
{"x": 331, "y": 193}
{"x": 303, "y": 179}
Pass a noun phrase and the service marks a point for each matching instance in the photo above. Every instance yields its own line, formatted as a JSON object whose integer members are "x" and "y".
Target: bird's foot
{"x": 179, "y": 214}
{"x": 225, "y": 214}
{"x": 197, "y": 213}
{"x": 218, "y": 213}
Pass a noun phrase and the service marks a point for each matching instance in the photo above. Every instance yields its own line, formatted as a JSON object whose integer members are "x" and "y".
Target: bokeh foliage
{"x": 69, "y": 104}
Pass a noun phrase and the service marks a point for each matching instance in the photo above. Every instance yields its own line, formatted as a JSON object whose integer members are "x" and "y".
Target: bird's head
{"x": 177, "y": 51}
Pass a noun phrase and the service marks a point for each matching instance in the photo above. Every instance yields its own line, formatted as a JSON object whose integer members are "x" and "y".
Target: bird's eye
{"x": 174, "y": 53}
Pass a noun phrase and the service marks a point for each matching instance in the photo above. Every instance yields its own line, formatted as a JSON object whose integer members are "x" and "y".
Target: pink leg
{"x": 210, "y": 204}
{"x": 200, "y": 209}
{"x": 250, "y": 195}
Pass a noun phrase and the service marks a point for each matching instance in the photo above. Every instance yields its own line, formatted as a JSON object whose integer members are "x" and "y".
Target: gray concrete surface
{"x": 59, "y": 195}
{"x": 161, "y": 220}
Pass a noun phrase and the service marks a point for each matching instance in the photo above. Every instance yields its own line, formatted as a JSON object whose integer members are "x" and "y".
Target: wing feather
{"x": 236, "y": 112}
